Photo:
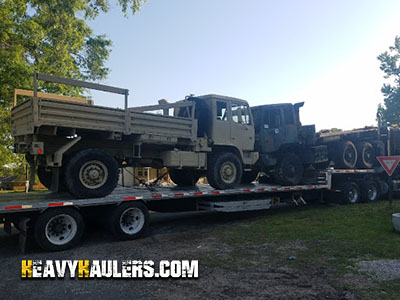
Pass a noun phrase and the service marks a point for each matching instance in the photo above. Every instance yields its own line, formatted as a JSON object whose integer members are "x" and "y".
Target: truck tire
{"x": 350, "y": 193}
{"x": 91, "y": 173}
{"x": 58, "y": 229}
{"x": 45, "y": 178}
{"x": 183, "y": 177}
{"x": 129, "y": 220}
{"x": 369, "y": 191}
{"x": 289, "y": 170}
{"x": 347, "y": 155}
{"x": 224, "y": 170}
{"x": 366, "y": 155}
{"x": 249, "y": 176}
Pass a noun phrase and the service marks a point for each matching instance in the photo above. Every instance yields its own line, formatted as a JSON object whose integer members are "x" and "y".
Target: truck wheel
{"x": 129, "y": 220}
{"x": 366, "y": 155}
{"x": 369, "y": 191}
{"x": 91, "y": 173}
{"x": 347, "y": 155}
{"x": 224, "y": 170}
{"x": 249, "y": 176}
{"x": 59, "y": 229}
{"x": 289, "y": 170}
{"x": 350, "y": 193}
{"x": 183, "y": 177}
{"x": 46, "y": 176}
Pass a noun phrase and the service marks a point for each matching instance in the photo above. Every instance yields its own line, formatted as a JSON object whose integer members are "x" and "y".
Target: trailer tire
{"x": 91, "y": 173}
{"x": 350, "y": 193}
{"x": 129, "y": 221}
{"x": 224, "y": 170}
{"x": 347, "y": 156}
{"x": 249, "y": 176}
{"x": 366, "y": 155}
{"x": 289, "y": 170}
{"x": 369, "y": 191}
{"x": 58, "y": 229}
{"x": 183, "y": 177}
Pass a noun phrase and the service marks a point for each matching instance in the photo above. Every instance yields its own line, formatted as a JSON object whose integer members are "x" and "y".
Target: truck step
{"x": 235, "y": 206}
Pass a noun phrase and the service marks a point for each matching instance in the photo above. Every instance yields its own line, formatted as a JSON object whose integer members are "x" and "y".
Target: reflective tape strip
{"x": 156, "y": 196}
{"x": 13, "y": 207}
{"x": 261, "y": 190}
{"x": 198, "y": 193}
{"x": 179, "y": 194}
{"x": 55, "y": 204}
{"x": 299, "y": 187}
{"x": 133, "y": 198}
{"x": 247, "y": 191}
{"x": 215, "y": 192}
{"x": 17, "y": 207}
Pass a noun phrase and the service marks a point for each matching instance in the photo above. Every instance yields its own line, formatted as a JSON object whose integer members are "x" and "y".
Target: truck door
{"x": 271, "y": 130}
{"x": 289, "y": 129}
{"x": 242, "y": 131}
{"x": 221, "y": 130}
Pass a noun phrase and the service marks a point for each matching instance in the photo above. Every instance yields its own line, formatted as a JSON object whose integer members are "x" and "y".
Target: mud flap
{"x": 22, "y": 227}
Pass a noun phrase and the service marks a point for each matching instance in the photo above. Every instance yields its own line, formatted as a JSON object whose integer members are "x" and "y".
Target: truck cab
{"x": 284, "y": 144}
{"x": 277, "y": 126}
{"x": 227, "y": 123}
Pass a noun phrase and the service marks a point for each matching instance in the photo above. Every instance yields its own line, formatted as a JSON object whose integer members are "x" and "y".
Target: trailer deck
{"x": 37, "y": 201}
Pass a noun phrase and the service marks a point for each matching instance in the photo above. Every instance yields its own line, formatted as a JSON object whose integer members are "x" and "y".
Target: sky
{"x": 321, "y": 52}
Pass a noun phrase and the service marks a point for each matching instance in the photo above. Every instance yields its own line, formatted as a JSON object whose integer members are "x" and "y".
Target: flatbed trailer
{"x": 56, "y": 221}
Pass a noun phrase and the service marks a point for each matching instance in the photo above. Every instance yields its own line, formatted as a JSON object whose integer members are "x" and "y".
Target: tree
{"x": 49, "y": 36}
{"x": 389, "y": 112}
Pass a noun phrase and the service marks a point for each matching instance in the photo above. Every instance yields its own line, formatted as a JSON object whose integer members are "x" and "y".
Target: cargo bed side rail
{"x": 77, "y": 83}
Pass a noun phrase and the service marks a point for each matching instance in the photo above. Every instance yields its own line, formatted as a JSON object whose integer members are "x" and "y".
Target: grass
{"x": 334, "y": 236}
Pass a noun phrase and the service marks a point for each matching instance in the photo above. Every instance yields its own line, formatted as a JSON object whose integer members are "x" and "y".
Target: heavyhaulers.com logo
{"x": 109, "y": 269}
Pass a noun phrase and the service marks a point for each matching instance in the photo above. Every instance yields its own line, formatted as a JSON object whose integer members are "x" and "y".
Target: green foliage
{"x": 389, "y": 112}
{"x": 52, "y": 37}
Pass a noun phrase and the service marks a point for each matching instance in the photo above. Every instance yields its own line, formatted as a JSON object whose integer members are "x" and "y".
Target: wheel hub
{"x": 132, "y": 220}
{"x": 228, "y": 172}
{"x": 93, "y": 174}
{"x": 61, "y": 229}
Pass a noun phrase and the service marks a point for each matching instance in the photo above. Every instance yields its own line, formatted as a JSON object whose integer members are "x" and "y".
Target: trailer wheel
{"x": 249, "y": 176}
{"x": 369, "y": 191}
{"x": 366, "y": 155}
{"x": 289, "y": 170}
{"x": 224, "y": 170}
{"x": 350, "y": 193}
{"x": 129, "y": 220}
{"x": 58, "y": 229}
{"x": 183, "y": 177}
{"x": 347, "y": 157}
{"x": 91, "y": 173}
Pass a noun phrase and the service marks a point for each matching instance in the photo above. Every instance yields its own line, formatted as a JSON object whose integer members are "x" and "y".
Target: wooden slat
{"x": 20, "y": 92}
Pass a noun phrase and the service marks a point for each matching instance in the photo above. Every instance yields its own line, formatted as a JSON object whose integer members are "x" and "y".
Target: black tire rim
{"x": 352, "y": 195}
{"x": 349, "y": 155}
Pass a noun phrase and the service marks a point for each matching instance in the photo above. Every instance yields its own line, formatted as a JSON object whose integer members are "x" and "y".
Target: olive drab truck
{"x": 79, "y": 147}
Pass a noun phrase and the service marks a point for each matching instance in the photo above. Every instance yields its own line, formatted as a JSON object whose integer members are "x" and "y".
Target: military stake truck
{"x": 79, "y": 147}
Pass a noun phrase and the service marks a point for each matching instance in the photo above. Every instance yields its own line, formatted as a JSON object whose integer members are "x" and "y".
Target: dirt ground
{"x": 177, "y": 236}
